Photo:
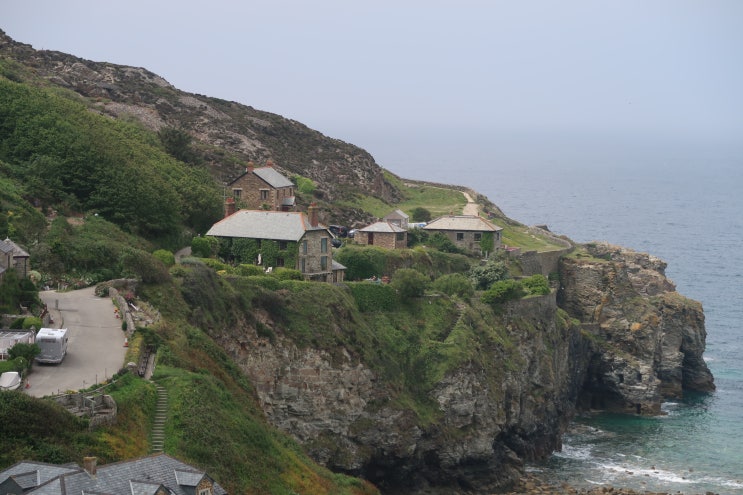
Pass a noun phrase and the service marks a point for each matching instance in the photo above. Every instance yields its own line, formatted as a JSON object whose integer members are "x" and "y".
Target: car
{"x": 335, "y": 242}
{"x": 338, "y": 230}
{"x": 352, "y": 233}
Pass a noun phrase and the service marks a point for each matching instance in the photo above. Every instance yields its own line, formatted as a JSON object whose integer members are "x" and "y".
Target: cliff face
{"x": 647, "y": 340}
{"x": 489, "y": 416}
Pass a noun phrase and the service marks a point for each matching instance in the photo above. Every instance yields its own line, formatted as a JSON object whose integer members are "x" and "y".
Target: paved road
{"x": 96, "y": 343}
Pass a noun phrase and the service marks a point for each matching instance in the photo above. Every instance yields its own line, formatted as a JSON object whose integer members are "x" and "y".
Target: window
{"x": 323, "y": 262}
{"x": 460, "y": 236}
{"x": 264, "y": 193}
{"x": 282, "y": 245}
{"x": 303, "y": 265}
{"x": 400, "y": 236}
{"x": 237, "y": 193}
{"x": 205, "y": 491}
{"x": 478, "y": 236}
{"x": 304, "y": 247}
{"x": 279, "y": 261}
{"x": 324, "y": 245}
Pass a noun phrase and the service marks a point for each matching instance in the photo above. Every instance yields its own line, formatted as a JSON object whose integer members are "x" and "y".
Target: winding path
{"x": 471, "y": 208}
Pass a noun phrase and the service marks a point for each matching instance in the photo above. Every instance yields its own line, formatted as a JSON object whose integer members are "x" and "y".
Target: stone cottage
{"x": 263, "y": 188}
{"x": 288, "y": 239}
{"x": 468, "y": 232}
{"x": 13, "y": 257}
{"x": 397, "y": 217}
{"x": 383, "y": 234}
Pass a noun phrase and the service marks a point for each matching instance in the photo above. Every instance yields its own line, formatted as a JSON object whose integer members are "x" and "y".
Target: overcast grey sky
{"x": 394, "y": 75}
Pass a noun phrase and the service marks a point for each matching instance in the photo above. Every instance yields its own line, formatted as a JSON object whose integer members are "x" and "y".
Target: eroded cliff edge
{"x": 647, "y": 340}
{"x": 614, "y": 335}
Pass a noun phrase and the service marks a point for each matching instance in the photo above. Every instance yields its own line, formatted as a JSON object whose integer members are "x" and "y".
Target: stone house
{"x": 158, "y": 474}
{"x": 288, "y": 239}
{"x": 263, "y": 188}
{"x": 383, "y": 234}
{"x": 13, "y": 257}
{"x": 468, "y": 232}
{"x": 397, "y": 217}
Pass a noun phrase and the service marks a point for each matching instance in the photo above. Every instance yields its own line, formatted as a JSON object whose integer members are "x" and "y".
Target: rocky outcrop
{"x": 647, "y": 340}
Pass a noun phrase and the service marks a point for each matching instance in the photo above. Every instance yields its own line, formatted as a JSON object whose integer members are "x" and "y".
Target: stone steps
{"x": 157, "y": 435}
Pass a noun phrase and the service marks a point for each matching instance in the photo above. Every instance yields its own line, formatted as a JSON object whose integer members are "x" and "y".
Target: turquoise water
{"x": 688, "y": 211}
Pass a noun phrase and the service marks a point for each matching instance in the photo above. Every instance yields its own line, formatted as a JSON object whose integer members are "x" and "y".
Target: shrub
{"x": 421, "y": 214}
{"x": 373, "y": 297}
{"x": 32, "y": 321}
{"x": 502, "y": 291}
{"x": 536, "y": 285}
{"x": 304, "y": 185}
{"x": 247, "y": 270}
{"x": 141, "y": 264}
{"x": 362, "y": 262}
{"x": 441, "y": 242}
{"x": 417, "y": 236}
{"x": 454, "y": 284}
{"x": 409, "y": 283}
{"x": 204, "y": 247}
{"x": 283, "y": 273}
{"x": 265, "y": 281}
{"x": 166, "y": 257}
{"x": 484, "y": 276}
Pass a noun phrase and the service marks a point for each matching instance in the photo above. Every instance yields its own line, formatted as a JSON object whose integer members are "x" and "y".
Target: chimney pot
{"x": 229, "y": 207}
{"x": 90, "y": 465}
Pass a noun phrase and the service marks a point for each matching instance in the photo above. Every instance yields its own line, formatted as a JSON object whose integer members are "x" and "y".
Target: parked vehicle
{"x": 352, "y": 233}
{"x": 10, "y": 380}
{"x": 53, "y": 345}
{"x": 338, "y": 230}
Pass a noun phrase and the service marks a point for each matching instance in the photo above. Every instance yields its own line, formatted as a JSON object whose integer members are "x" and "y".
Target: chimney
{"x": 229, "y": 207}
{"x": 89, "y": 464}
{"x": 312, "y": 214}
{"x": 250, "y": 167}
{"x": 269, "y": 163}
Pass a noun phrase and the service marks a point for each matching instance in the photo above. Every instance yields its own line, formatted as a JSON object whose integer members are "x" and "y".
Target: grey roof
{"x": 462, "y": 222}
{"x": 136, "y": 477}
{"x": 29, "y": 474}
{"x": 382, "y": 227}
{"x": 262, "y": 224}
{"x": 272, "y": 177}
{"x": 288, "y": 201}
{"x": 334, "y": 265}
{"x": 9, "y": 246}
{"x": 397, "y": 214}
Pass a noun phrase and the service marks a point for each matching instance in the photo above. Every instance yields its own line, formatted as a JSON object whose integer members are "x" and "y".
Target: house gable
{"x": 263, "y": 188}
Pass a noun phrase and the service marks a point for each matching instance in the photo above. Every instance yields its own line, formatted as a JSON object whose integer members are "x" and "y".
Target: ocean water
{"x": 687, "y": 209}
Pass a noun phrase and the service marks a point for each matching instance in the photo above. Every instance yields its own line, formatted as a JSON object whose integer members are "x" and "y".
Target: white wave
{"x": 658, "y": 474}
{"x": 577, "y": 453}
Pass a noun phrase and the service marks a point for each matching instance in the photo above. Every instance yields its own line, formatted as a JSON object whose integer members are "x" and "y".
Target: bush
{"x": 417, "y": 236}
{"x": 265, "y": 281}
{"x": 362, "y": 262}
{"x": 441, "y": 242}
{"x": 31, "y": 321}
{"x": 304, "y": 185}
{"x": 409, "y": 283}
{"x": 421, "y": 214}
{"x": 373, "y": 297}
{"x": 484, "y": 276}
{"x": 204, "y": 247}
{"x": 454, "y": 284}
{"x": 536, "y": 285}
{"x": 141, "y": 264}
{"x": 247, "y": 270}
{"x": 282, "y": 273}
{"x": 503, "y": 291}
{"x": 165, "y": 256}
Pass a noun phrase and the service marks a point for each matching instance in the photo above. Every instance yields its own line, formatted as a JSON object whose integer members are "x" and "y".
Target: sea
{"x": 679, "y": 201}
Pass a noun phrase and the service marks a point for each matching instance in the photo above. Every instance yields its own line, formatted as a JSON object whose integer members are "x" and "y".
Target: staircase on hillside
{"x": 158, "y": 426}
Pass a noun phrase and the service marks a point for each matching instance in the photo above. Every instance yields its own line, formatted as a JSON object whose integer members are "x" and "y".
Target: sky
{"x": 411, "y": 79}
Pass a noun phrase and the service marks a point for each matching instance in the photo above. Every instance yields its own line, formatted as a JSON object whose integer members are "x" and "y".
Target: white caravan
{"x": 53, "y": 345}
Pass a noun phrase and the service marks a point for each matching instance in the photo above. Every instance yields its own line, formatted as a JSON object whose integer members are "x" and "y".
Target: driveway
{"x": 96, "y": 343}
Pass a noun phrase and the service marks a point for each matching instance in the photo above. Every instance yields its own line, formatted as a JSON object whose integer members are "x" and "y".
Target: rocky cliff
{"x": 507, "y": 402}
{"x": 646, "y": 339}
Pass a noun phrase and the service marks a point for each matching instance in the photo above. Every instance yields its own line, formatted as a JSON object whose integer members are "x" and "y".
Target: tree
{"x": 483, "y": 276}
{"x": 454, "y": 284}
{"x": 177, "y": 143}
{"x": 26, "y": 351}
{"x": 420, "y": 214}
{"x": 502, "y": 291}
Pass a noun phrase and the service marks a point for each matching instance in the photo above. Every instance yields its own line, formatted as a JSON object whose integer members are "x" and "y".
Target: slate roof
{"x": 8, "y": 246}
{"x": 397, "y": 214}
{"x": 334, "y": 265}
{"x": 261, "y": 224}
{"x": 272, "y": 177}
{"x": 136, "y": 477}
{"x": 382, "y": 227}
{"x": 462, "y": 223}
